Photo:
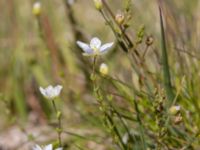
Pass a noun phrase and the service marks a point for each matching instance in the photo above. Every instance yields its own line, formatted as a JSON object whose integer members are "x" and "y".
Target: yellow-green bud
{"x": 119, "y": 18}
{"x": 58, "y": 130}
{"x": 103, "y": 69}
{"x": 36, "y": 8}
{"x": 98, "y": 4}
{"x": 174, "y": 110}
{"x": 59, "y": 114}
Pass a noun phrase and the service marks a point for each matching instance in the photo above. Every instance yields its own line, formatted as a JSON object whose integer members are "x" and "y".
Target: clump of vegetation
{"x": 138, "y": 91}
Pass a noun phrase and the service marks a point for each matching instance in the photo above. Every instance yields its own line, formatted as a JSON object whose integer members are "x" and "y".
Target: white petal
{"x": 43, "y": 92}
{"x": 37, "y": 147}
{"x": 50, "y": 92}
{"x": 48, "y": 147}
{"x": 85, "y": 47}
{"x": 106, "y": 47}
{"x": 95, "y": 43}
{"x": 49, "y": 88}
{"x": 57, "y": 90}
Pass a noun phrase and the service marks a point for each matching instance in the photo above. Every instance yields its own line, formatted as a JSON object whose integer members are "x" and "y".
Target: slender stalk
{"x": 54, "y": 106}
{"x": 140, "y": 124}
{"x": 59, "y": 129}
{"x": 166, "y": 72}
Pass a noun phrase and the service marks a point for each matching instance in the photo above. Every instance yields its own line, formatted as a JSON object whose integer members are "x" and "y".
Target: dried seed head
{"x": 178, "y": 119}
{"x": 149, "y": 40}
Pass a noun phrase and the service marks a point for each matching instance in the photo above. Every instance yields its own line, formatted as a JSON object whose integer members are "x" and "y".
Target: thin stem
{"x": 54, "y": 106}
{"x": 59, "y": 129}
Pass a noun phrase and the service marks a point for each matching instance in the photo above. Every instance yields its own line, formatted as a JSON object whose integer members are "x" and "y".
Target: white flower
{"x": 70, "y": 2}
{"x": 47, "y": 147}
{"x": 51, "y": 92}
{"x": 94, "y": 48}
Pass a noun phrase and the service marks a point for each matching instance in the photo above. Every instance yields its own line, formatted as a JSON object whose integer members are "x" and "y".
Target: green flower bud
{"x": 36, "y": 8}
{"x": 59, "y": 114}
{"x": 98, "y": 4}
{"x": 119, "y": 18}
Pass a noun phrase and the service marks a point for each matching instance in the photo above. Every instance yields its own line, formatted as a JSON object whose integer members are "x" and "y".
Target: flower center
{"x": 95, "y": 49}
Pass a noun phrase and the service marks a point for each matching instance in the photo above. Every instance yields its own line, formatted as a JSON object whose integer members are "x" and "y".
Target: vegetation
{"x": 124, "y": 74}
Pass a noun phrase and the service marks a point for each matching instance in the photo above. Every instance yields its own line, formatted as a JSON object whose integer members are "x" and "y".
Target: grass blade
{"x": 166, "y": 72}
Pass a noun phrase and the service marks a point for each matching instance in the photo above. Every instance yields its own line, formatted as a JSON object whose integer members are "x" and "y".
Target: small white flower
{"x": 70, "y": 2}
{"x": 51, "y": 92}
{"x": 94, "y": 48}
{"x": 47, "y": 147}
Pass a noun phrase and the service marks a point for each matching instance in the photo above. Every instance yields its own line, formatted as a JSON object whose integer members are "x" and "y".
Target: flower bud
{"x": 119, "y": 18}
{"x": 59, "y": 114}
{"x": 36, "y": 8}
{"x": 174, "y": 110}
{"x": 103, "y": 69}
{"x": 98, "y": 4}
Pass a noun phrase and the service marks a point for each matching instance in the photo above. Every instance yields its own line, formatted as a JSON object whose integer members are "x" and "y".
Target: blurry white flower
{"x": 47, "y": 147}
{"x": 36, "y": 8}
{"x": 70, "y": 2}
{"x": 103, "y": 69}
{"x": 51, "y": 92}
{"x": 94, "y": 48}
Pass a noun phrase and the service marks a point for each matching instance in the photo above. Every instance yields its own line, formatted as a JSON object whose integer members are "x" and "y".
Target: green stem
{"x": 166, "y": 72}
{"x": 59, "y": 129}
{"x": 140, "y": 124}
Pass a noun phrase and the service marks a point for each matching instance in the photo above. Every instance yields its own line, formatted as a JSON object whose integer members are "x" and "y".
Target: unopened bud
{"x": 59, "y": 114}
{"x": 36, "y": 8}
{"x": 103, "y": 69}
{"x": 119, "y": 18}
{"x": 98, "y": 4}
{"x": 174, "y": 110}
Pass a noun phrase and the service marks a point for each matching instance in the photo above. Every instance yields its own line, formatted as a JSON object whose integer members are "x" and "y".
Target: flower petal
{"x": 37, "y": 147}
{"x": 85, "y": 47}
{"x": 57, "y": 90}
{"x": 48, "y": 147}
{"x": 95, "y": 43}
{"x": 43, "y": 92}
{"x": 104, "y": 48}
